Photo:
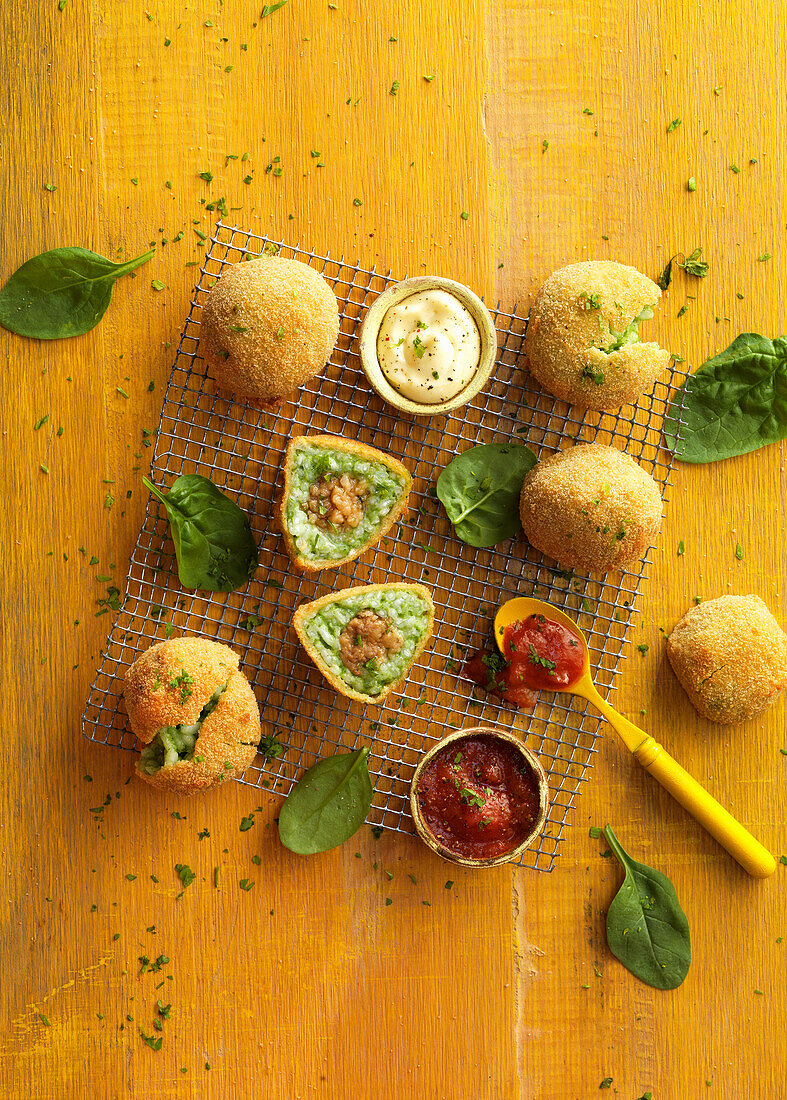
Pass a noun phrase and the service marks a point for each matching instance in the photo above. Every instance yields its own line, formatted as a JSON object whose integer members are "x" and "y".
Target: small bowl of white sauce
{"x": 428, "y": 345}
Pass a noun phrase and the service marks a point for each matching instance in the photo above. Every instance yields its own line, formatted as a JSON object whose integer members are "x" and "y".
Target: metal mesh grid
{"x": 241, "y": 448}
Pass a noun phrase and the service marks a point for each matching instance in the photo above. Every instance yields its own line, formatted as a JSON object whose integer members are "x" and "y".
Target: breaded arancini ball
{"x": 268, "y": 326}
{"x": 730, "y": 656}
{"x": 591, "y": 508}
{"x": 194, "y": 712}
{"x": 582, "y": 341}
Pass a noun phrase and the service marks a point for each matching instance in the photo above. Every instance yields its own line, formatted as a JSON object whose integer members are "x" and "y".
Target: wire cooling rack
{"x": 241, "y": 449}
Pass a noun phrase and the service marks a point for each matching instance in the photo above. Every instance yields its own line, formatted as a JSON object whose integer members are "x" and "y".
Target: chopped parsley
{"x": 270, "y": 748}
{"x": 597, "y": 377}
{"x": 152, "y": 1042}
{"x": 536, "y": 659}
{"x": 184, "y": 683}
{"x": 693, "y": 264}
{"x": 250, "y": 622}
{"x": 419, "y": 347}
{"x": 185, "y": 874}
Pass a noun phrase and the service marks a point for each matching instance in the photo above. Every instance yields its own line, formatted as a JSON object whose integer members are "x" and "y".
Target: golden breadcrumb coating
{"x": 169, "y": 685}
{"x": 267, "y": 327}
{"x": 578, "y": 313}
{"x": 730, "y": 655}
{"x": 157, "y": 694}
{"x": 591, "y": 508}
{"x": 226, "y": 745}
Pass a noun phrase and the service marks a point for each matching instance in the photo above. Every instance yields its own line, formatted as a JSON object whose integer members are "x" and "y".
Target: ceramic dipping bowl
{"x": 530, "y": 761}
{"x": 370, "y": 328}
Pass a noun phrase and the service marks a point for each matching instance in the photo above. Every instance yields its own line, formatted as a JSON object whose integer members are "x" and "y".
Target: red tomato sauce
{"x": 490, "y": 670}
{"x": 538, "y": 654}
{"x": 479, "y": 796}
{"x": 543, "y": 654}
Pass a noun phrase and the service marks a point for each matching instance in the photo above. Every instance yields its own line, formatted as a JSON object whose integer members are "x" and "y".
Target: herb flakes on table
{"x": 185, "y": 874}
{"x": 693, "y": 264}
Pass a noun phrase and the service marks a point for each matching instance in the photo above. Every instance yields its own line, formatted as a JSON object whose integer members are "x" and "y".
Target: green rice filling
{"x": 174, "y": 743}
{"x": 407, "y": 612}
{"x": 630, "y": 334}
{"x": 386, "y": 488}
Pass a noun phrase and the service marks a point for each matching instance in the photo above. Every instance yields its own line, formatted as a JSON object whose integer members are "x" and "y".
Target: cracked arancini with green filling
{"x": 582, "y": 341}
{"x": 267, "y": 327}
{"x": 591, "y": 508}
{"x": 194, "y": 712}
{"x": 730, "y": 656}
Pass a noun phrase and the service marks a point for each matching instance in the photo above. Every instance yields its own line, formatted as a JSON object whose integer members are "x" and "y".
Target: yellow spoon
{"x": 738, "y": 841}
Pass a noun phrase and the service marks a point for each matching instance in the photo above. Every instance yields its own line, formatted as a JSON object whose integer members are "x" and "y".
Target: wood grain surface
{"x": 548, "y": 125}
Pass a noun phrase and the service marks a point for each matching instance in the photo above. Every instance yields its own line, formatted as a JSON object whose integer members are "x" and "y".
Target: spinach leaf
{"x": 646, "y": 927}
{"x": 480, "y": 491}
{"x": 328, "y": 805}
{"x": 64, "y": 292}
{"x": 735, "y": 403}
{"x": 214, "y": 545}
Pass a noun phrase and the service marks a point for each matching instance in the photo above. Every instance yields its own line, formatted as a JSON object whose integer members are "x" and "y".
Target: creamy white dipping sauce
{"x": 429, "y": 346}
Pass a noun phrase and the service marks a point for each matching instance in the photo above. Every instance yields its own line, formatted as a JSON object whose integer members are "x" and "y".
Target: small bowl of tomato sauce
{"x": 479, "y": 797}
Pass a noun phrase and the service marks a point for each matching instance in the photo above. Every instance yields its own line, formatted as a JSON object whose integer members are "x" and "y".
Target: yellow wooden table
{"x": 548, "y": 125}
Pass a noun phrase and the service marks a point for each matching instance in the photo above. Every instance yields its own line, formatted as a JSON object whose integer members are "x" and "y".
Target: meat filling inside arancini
{"x": 336, "y": 502}
{"x": 368, "y": 637}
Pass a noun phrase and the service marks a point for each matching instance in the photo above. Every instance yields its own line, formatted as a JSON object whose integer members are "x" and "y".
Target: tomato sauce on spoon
{"x": 538, "y": 654}
{"x": 543, "y": 654}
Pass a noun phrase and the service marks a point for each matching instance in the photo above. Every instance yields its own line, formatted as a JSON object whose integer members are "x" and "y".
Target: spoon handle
{"x": 721, "y": 825}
